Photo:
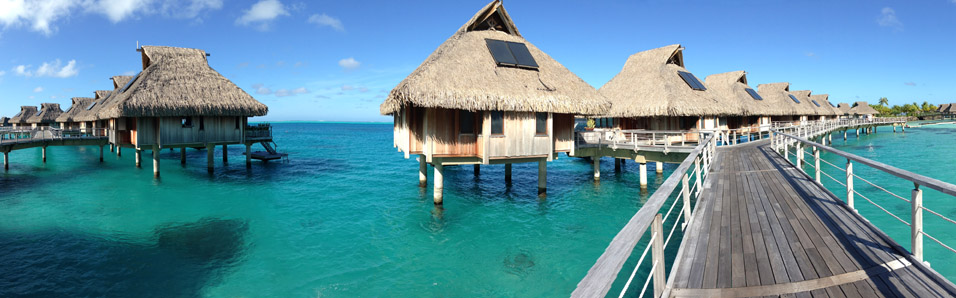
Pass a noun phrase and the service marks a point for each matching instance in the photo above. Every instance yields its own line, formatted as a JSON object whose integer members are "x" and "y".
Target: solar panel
{"x": 522, "y": 55}
{"x": 91, "y": 106}
{"x": 754, "y": 94}
{"x": 499, "y": 50}
{"x": 815, "y": 102}
{"x": 794, "y": 98}
{"x": 691, "y": 81}
{"x": 130, "y": 83}
{"x": 40, "y": 113}
{"x": 831, "y": 104}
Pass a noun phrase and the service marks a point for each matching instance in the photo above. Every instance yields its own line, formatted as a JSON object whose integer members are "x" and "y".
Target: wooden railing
{"x": 25, "y": 135}
{"x": 786, "y": 142}
{"x": 652, "y": 216}
{"x": 259, "y": 131}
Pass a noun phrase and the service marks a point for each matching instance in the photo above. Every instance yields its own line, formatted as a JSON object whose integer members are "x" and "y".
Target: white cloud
{"x": 262, "y": 13}
{"x": 363, "y": 89}
{"x": 39, "y": 15}
{"x": 349, "y": 64}
{"x": 42, "y": 15}
{"x": 261, "y": 89}
{"x": 49, "y": 69}
{"x": 117, "y": 10}
{"x": 348, "y": 87}
{"x": 326, "y": 20}
{"x": 38, "y": 89}
{"x": 888, "y": 19}
{"x": 128, "y": 73}
{"x": 188, "y": 9}
{"x": 296, "y": 91}
{"x": 2, "y": 73}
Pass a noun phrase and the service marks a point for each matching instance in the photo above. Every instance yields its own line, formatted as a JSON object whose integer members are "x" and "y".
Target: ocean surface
{"x": 345, "y": 218}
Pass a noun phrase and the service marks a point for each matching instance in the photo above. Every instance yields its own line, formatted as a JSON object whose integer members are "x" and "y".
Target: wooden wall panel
{"x": 563, "y": 132}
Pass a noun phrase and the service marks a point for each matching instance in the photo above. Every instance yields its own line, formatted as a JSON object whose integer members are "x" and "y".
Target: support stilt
{"x": 210, "y": 149}
{"x": 182, "y": 155}
{"x": 119, "y": 151}
{"x": 477, "y": 170}
{"x": 844, "y": 135}
{"x": 597, "y": 168}
{"x": 617, "y": 164}
{"x": 659, "y": 167}
{"x": 6, "y": 161}
{"x": 422, "y": 171}
{"x": 248, "y": 155}
{"x": 439, "y": 176}
{"x": 111, "y": 148}
{"x": 643, "y": 171}
{"x": 508, "y": 173}
{"x": 44, "y": 154}
{"x": 101, "y": 153}
{"x": 139, "y": 157}
{"x": 225, "y": 154}
{"x": 156, "y": 161}
{"x": 542, "y": 178}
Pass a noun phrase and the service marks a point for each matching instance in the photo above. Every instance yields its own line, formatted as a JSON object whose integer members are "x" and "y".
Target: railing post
{"x": 657, "y": 255}
{"x": 849, "y": 184}
{"x": 799, "y": 153}
{"x": 697, "y": 170}
{"x": 816, "y": 163}
{"x": 685, "y": 191}
{"x": 917, "y": 222}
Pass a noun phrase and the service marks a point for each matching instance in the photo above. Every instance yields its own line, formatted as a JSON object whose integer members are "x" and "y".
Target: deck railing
{"x": 634, "y": 139}
{"x": 690, "y": 175}
{"x": 26, "y": 135}
{"x": 259, "y": 131}
{"x": 799, "y": 145}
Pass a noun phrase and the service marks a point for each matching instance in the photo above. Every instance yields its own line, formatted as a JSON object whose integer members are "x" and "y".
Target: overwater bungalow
{"x": 488, "y": 96}
{"x": 20, "y": 119}
{"x": 4, "y": 121}
{"x": 654, "y": 91}
{"x": 862, "y": 110}
{"x": 46, "y": 117}
{"x": 88, "y": 119}
{"x": 946, "y": 108}
{"x": 757, "y": 111}
{"x": 830, "y": 111}
{"x": 178, "y": 101}
{"x": 805, "y": 106}
{"x": 67, "y": 119}
{"x": 786, "y": 108}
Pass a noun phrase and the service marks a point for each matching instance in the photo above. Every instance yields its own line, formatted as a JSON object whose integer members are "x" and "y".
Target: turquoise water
{"x": 929, "y": 151}
{"x": 344, "y": 218}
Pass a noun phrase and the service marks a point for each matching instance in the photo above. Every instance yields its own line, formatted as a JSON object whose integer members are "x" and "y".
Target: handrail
{"x": 27, "y": 135}
{"x": 602, "y": 274}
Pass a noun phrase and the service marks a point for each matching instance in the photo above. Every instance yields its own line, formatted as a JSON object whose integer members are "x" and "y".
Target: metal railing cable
{"x": 881, "y": 188}
{"x": 882, "y": 208}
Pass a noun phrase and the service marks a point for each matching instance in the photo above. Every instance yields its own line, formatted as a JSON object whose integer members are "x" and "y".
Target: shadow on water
{"x": 183, "y": 260}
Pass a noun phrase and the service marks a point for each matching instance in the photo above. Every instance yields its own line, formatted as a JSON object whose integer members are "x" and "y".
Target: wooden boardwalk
{"x": 764, "y": 228}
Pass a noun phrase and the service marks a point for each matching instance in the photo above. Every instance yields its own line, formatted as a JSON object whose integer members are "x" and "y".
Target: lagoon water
{"x": 345, "y": 218}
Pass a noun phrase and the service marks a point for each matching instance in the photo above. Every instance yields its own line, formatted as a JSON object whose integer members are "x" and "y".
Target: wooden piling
{"x": 542, "y": 177}
{"x": 182, "y": 155}
{"x": 643, "y": 174}
{"x": 477, "y": 170}
{"x": 44, "y": 154}
{"x": 248, "y": 155}
{"x": 156, "y": 161}
{"x": 617, "y": 164}
{"x": 659, "y": 167}
{"x": 101, "y": 153}
{"x": 439, "y": 176}
{"x": 119, "y": 151}
{"x": 225, "y": 154}
{"x": 422, "y": 171}
{"x": 210, "y": 149}
{"x": 139, "y": 157}
{"x": 6, "y": 161}
{"x": 508, "y": 173}
{"x": 597, "y": 167}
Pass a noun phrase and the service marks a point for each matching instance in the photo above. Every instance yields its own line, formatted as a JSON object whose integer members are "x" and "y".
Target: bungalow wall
{"x": 191, "y": 130}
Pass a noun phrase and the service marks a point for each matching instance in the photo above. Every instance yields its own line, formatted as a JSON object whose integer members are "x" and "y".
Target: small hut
{"x": 829, "y": 111}
{"x": 488, "y": 96}
{"x": 20, "y": 119}
{"x": 88, "y": 118}
{"x": 47, "y": 115}
{"x": 178, "y": 101}
{"x": 654, "y": 91}
{"x": 67, "y": 120}
{"x": 4, "y": 121}
{"x": 778, "y": 95}
{"x": 807, "y": 109}
{"x": 758, "y": 112}
{"x": 862, "y": 110}
{"x": 945, "y": 108}
{"x": 844, "y": 109}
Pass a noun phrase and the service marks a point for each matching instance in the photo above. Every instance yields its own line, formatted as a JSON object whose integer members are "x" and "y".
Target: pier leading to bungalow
{"x": 746, "y": 220}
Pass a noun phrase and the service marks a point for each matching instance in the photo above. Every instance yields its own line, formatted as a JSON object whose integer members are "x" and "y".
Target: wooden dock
{"x": 764, "y": 228}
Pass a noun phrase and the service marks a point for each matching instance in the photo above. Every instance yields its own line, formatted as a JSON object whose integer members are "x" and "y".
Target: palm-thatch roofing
{"x": 179, "y": 82}
{"x": 650, "y": 85}
{"x": 4, "y": 121}
{"x": 862, "y": 108}
{"x": 945, "y": 108}
{"x": 463, "y": 74}
{"x": 844, "y": 107}
{"x": 827, "y": 107}
{"x": 733, "y": 85}
{"x": 25, "y": 113}
{"x": 47, "y": 114}
{"x": 102, "y": 100}
{"x": 778, "y": 95}
{"x": 79, "y": 105}
{"x": 805, "y": 106}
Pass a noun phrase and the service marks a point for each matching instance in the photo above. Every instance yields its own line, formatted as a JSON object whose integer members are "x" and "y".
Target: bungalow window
{"x": 187, "y": 122}
{"x": 466, "y": 122}
{"x": 238, "y": 121}
{"x": 497, "y": 122}
{"x": 202, "y": 123}
{"x": 541, "y": 123}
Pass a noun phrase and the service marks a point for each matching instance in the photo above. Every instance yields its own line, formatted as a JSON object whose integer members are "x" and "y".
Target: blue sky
{"x": 337, "y": 60}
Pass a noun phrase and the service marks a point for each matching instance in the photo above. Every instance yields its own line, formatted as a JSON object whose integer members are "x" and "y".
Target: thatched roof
{"x": 733, "y": 85}
{"x": 805, "y": 106}
{"x": 179, "y": 82}
{"x": 102, "y": 100}
{"x": 100, "y": 94}
{"x": 778, "y": 95}
{"x": 945, "y": 108}
{"x": 827, "y": 108}
{"x": 79, "y": 105}
{"x": 463, "y": 74}
{"x": 25, "y": 113}
{"x": 4, "y": 121}
{"x": 649, "y": 85}
{"x": 844, "y": 107}
{"x": 47, "y": 114}
{"x": 862, "y": 108}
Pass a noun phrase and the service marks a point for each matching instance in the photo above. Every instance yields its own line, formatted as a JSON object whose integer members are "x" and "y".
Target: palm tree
{"x": 884, "y": 101}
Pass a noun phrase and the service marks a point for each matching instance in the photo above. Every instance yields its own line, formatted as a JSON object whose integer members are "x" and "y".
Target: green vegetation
{"x": 910, "y": 109}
